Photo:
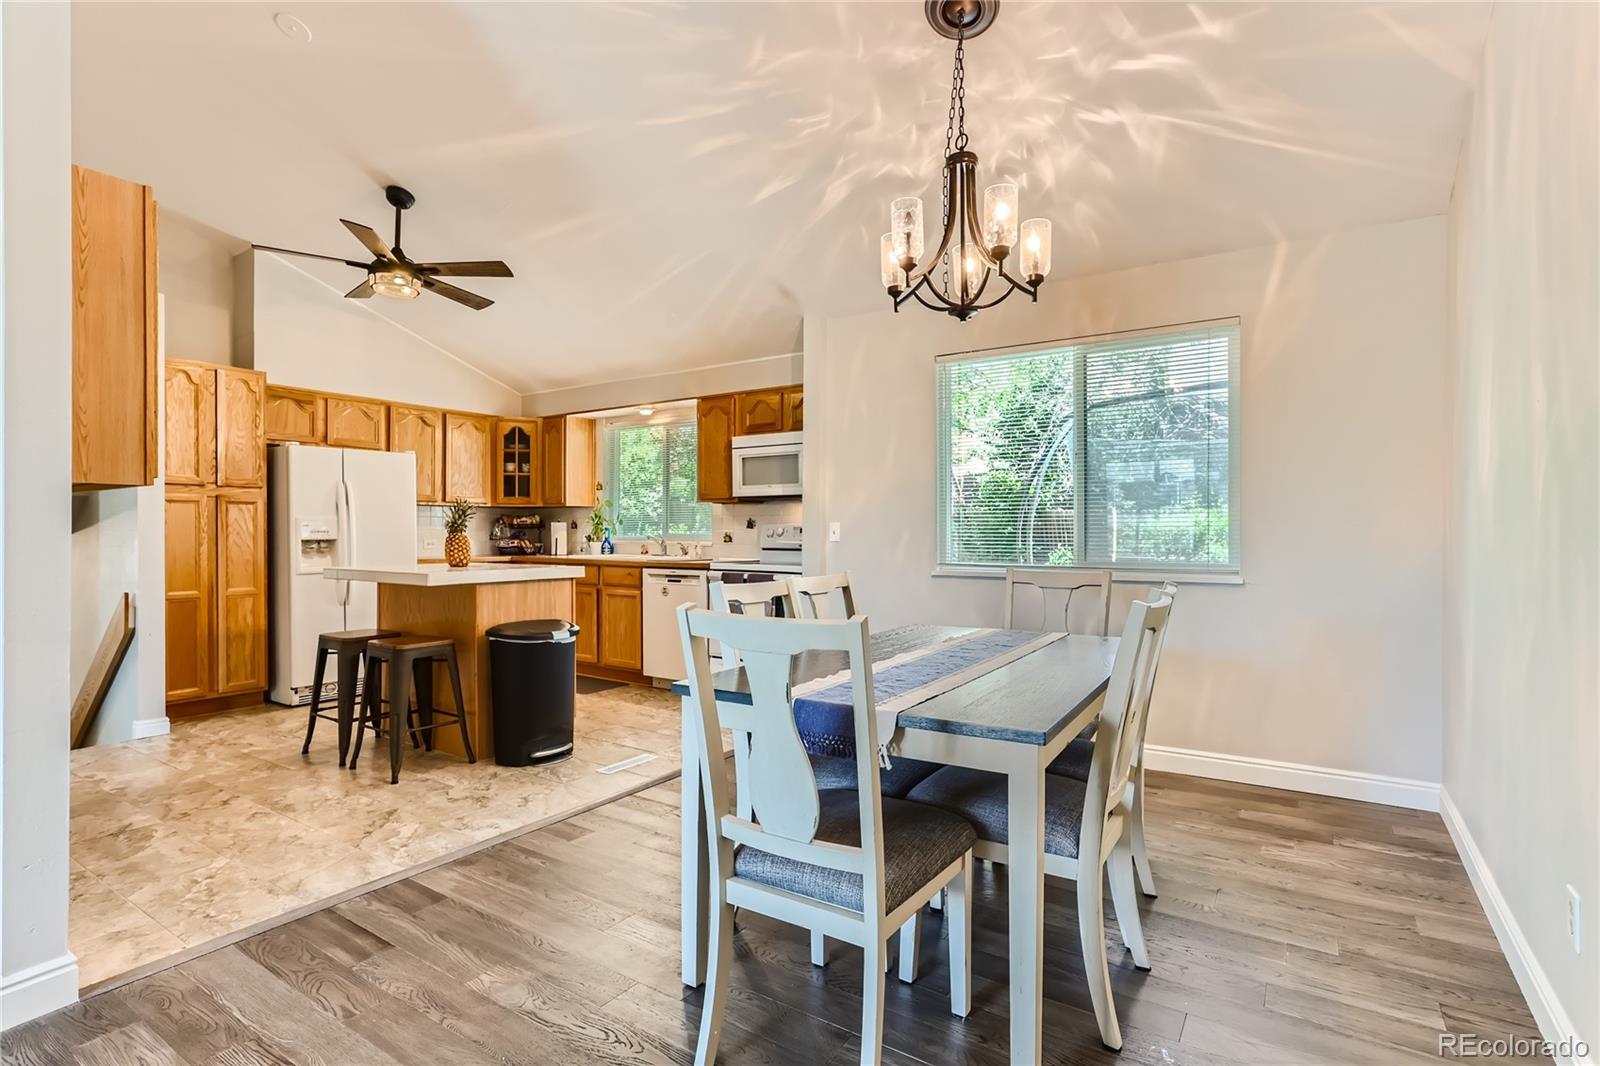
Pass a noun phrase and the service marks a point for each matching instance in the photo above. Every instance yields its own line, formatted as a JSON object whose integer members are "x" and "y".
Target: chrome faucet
{"x": 662, "y": 540}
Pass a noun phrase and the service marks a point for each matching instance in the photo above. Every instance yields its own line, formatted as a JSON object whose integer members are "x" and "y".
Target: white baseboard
{"x": 1555, "y": 1024}
{"x": 38, "y": 990}
{"x": 150, "y": 727}
{"x": 1297, "y": 777}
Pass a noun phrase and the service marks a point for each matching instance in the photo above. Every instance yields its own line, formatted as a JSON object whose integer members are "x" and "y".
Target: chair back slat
{"x": 1069, "y": 600}
{"x": 753, "y": 599}
{"x": 1127, "y": 699}
{"x": 827, "y": 596}
{"x": 785, "y": 804}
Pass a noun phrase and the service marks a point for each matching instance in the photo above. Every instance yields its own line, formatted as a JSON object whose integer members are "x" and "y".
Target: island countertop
{"x": 438, "y": 575}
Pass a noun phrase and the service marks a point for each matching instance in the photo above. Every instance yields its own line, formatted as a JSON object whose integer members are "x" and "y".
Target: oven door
{"x": 767, "y": 470}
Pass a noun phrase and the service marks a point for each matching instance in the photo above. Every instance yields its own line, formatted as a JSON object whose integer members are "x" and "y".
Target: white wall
{"x": 304, "y": 333}
{"x": 761, "y": 373}
{"x": 1328, "y": 654}
{"x": 37, "y": 972}
{"x": 195, "y": 272}
{"x": 1522, "y": 647}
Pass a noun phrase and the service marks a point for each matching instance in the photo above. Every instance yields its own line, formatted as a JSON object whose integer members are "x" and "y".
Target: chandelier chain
{"x": 955, "y": 138}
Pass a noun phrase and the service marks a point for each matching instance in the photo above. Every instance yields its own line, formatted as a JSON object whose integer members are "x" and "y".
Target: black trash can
{"x": 532, "y": 683}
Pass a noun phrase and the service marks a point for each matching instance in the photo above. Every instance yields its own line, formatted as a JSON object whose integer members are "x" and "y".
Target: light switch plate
{"x": 431, "y": 542}
{"x": 833, "y": 532}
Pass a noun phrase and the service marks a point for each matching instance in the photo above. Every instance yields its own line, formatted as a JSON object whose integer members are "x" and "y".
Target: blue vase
{"x": 606, "y": 547}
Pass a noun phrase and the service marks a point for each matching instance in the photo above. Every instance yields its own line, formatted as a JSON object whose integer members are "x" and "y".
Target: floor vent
{"x": 625, "y": 764}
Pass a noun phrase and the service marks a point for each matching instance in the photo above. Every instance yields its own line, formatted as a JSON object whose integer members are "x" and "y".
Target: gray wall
{"x": 1328, "y": 654}
{"x": 37, "y": 971}
{"x": 1522, "y": 650}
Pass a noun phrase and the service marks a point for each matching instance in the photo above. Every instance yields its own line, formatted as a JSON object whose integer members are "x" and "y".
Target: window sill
{"x": 1118, "y": 577}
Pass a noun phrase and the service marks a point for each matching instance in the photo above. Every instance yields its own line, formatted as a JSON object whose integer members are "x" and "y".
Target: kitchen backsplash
{"x": 731, "y": 520}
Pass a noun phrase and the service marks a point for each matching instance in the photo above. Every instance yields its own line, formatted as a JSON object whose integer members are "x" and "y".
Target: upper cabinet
{"x": 566, "y": 446}
{"x": 215, "y": 421}
{"x": 794, "y": 409}
{"x": 758, "y": 412}
{"x": 466, "y": 457}
{"x": 295, "y": 415}
{"x": 114, "y": 329}
{"x": 241, "y": 422}
{"x": 714, "y": 447}
{"x": 420, "y": 430}
{"x": 191, "y": 424}
{"x": 517, "y": 473}
{"x": 357, "y": 423}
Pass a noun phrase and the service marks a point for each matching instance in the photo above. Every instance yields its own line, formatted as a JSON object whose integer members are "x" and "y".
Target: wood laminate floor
{"x": 1290, "y": 929}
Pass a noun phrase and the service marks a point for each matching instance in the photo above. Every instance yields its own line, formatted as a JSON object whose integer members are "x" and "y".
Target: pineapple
{"x": 457, "y": 548}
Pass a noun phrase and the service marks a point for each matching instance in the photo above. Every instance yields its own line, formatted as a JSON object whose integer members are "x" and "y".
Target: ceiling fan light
{"x": 395, "y": 284}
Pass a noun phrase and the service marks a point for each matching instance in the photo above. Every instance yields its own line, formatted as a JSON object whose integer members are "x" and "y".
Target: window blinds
{"x": 651, "y": 480}
{"x": 1103, "y": 451}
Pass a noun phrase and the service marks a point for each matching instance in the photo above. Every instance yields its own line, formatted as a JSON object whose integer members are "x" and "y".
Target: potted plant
{"x": 457, "y": 546}
{"x": 599, "y": 521}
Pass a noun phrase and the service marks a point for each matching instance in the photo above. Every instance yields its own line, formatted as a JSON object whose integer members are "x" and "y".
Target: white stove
{"x": 779, "y": 553}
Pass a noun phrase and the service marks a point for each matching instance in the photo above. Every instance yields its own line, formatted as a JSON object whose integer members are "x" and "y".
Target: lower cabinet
{"x": 216, "y": 548}
{"x": 621, "y": 628}
{"x": 587, "y": 600}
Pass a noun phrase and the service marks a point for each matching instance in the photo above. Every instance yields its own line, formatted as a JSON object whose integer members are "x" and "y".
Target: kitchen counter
{"x": 461, "y": 605}
{"x": 435, "y": 575}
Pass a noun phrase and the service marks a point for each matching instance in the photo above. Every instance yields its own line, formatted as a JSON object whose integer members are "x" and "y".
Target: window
{"x": 650, "y": 478}
{"x": 1112, "y": 451}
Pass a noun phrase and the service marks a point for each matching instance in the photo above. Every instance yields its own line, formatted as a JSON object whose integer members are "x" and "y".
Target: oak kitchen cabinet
{"x": 586, "y": 601}
{"x": 216, "y": 536}
{"x": 114, "y": 329}
{"x": 354, "y": 422}
{"x": 714, "y": 447}
{"x": 215, "y": 419}
{"x": 420, "y": 431}
{"x": 466, "y": 457}
{"x": 621, "y": 619}
{"x": 718, "y": 419}
{"x": 216, "y": 563}
{"x": 518, "y": 475}
{"x": 566, "y": 460}
{"x": 295, "y": 415}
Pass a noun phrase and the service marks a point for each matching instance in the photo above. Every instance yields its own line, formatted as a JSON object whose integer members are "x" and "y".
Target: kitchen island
{"x": 462, "y": 604}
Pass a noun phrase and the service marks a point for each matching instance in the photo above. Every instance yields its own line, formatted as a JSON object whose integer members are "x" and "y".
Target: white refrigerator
{"x": 331, "y": 507}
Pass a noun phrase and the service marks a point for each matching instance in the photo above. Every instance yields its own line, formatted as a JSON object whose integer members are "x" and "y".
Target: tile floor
{"x": 182, "y": 840}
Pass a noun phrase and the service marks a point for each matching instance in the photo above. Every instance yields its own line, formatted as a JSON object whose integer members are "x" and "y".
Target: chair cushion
{"x": 918, "y": 842}
{"x": 1074, "y": 759}
{"x": 900, "y": 778}
{"x": 980, "y": 797}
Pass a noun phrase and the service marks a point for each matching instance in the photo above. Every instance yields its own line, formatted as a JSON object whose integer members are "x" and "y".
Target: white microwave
{"x": 767, "y": 464}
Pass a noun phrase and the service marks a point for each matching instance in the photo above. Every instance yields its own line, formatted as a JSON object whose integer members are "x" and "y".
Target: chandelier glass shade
{"x": 981, "y": 253}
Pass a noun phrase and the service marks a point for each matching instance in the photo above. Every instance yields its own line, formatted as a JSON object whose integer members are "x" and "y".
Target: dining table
{"x": 1012, "y": 720}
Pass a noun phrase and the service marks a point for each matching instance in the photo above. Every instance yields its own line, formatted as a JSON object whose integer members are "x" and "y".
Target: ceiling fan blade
{"x": 369, "y": 237}
{"x": 360, "y": 292}
{"x": 308, "y": 255}
{"x": 460, "y": 296}
{"x": 475, "y": 268}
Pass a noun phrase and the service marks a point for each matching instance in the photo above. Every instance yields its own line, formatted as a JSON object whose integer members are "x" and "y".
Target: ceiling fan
{"x": 392, "y": 274}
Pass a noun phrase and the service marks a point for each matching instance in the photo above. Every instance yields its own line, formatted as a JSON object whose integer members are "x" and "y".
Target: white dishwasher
{"x": 664, "y": 590}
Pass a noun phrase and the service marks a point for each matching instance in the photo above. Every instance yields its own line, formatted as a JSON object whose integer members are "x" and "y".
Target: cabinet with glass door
{"x": 517, "y": 461}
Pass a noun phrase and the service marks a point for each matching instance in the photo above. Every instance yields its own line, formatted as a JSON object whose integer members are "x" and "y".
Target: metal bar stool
{"x": 410, "y": 660}
{"x": 350, "y": 645}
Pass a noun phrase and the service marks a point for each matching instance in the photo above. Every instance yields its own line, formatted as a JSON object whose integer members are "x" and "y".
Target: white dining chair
{"x": 814, "y": 597}
{"x": 1075, "y": 761}
{"x": 848, "y": 862}
{"x": 1093, "y": 586}
{"x": 1087, "y": 824}
{"x": 752, "y": 599}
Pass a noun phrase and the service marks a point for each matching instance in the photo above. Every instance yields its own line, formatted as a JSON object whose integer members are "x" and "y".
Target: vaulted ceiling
{"x": 676, "y": 184}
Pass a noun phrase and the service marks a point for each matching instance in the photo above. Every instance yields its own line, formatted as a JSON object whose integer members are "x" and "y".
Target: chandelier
{"x": 976, "y": 252}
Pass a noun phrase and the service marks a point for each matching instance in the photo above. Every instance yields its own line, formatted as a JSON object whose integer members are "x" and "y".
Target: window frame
{"x": 1217, "y": 575}
{"x": 662, "y": 419}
